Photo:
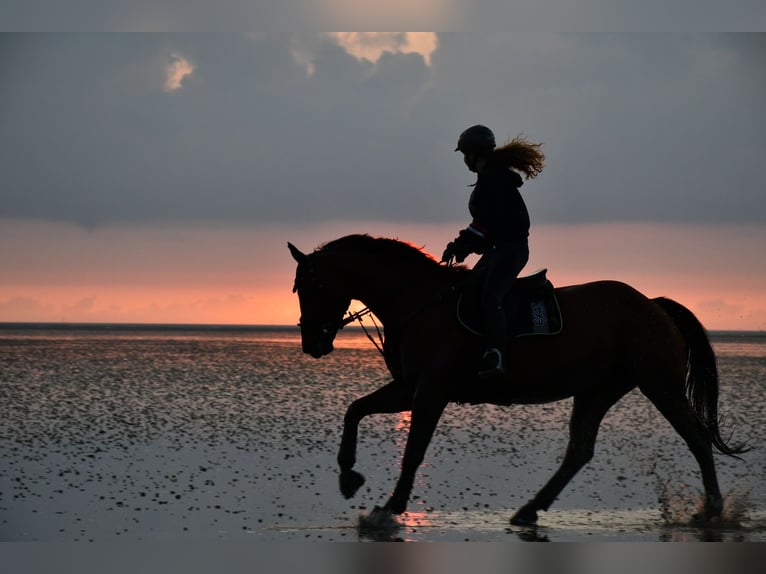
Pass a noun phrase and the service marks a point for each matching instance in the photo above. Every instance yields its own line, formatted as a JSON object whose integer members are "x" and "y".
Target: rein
{"x": 358, "y": 317}
{"x": 437, "y": 297}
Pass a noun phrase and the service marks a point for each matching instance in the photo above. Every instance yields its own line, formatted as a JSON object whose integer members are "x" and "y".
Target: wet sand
{"x": 196, "y": 440}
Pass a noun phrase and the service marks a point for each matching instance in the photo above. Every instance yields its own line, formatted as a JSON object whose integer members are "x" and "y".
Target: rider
{"x": 500, "y": 227}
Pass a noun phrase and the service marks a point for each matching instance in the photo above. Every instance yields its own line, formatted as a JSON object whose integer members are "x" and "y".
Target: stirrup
{"x": 491, "y": 364}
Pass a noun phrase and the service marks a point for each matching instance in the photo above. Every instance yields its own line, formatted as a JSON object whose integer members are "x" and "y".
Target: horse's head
{"x": 322, "y": 302}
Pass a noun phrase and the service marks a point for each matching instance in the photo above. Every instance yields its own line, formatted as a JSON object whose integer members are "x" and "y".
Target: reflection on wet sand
{"x": 191, "y": 436}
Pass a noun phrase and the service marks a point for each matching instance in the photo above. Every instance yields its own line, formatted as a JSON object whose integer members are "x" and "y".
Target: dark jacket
{"x": 500, "y": 216}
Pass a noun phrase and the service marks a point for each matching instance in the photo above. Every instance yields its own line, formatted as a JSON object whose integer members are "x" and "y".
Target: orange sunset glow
{"x": 60, "y": 273}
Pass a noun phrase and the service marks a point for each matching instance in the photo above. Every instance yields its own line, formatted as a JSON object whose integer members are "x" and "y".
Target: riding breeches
{"x": 501, "y": 266}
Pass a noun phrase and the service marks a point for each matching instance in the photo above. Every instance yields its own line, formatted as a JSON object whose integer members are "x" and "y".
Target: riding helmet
{"x": 476, "y": 139}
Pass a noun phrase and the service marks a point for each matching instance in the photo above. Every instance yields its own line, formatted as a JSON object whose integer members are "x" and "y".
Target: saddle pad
{"x": 529, "y": 311}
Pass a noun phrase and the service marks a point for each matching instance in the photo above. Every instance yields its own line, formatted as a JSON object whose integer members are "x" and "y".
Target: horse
{"x": 614, "y": 340}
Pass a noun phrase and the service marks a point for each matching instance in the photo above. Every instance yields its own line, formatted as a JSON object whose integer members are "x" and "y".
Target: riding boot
{"x": 492, "y": 363}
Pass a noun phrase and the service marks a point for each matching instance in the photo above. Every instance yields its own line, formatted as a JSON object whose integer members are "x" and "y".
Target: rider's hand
{"x": 449, "y": 253}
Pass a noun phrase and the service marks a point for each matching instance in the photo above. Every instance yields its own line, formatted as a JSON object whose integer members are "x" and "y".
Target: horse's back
{"x": 614, "y": 315}
{"x": 609, "y": 302}
{"x": 598, "y": 297}
{"x": 603, "y": 286}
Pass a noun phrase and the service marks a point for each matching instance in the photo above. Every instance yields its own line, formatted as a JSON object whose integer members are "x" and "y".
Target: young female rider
{"x": 499, "y": 230}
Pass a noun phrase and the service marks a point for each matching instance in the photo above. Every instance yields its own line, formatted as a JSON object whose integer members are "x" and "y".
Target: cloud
{"x": 303, "y": 128}
{"x": 720, "y": 307}
{"x": 364, "y": 46}
{"x": 177, "y": 71}
{"x": 22, "y": 308}
{"x": 304, "y": 57}
{"x": 372, "y": 45}
{"x": 83, "y": 305}
{"x": 751, "y": 316}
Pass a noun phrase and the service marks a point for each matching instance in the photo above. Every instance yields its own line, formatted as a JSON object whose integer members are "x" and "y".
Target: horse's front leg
{"x": 426, "y": 411}
{"x": 394, "y": 397}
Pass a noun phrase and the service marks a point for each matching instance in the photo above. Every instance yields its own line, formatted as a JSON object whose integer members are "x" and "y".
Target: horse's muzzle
{"x": 320, "y": 350}
{"x": 320, "y": 354}
{"x": 322, "y": 344}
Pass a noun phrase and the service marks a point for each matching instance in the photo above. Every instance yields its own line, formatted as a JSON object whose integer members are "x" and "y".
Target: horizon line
{"x": 10, "y": 325}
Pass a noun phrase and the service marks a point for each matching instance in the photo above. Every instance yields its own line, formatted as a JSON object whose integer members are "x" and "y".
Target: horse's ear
{"x": 299, "y": 256}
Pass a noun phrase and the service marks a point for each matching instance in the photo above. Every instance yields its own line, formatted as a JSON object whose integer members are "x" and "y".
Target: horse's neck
{"x": 393, "y": 296}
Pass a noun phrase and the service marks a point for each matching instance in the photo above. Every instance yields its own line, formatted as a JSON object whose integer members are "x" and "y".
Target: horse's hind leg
{"x": 394, "y": 397}
{"x": 587, "y": 413}
{"x": 676, "y": 409}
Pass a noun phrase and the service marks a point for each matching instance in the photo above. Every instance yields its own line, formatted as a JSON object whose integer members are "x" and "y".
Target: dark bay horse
{"x": 614, "y": 339}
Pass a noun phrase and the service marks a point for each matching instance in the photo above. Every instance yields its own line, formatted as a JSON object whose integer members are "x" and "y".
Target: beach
{"x": 180, "y": 434}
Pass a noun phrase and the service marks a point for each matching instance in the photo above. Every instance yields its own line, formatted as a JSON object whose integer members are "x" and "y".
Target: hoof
{"x": 705, "y": 518}
{"x": 379, "y": 519}
{"x": 524, "y": 517}
{"x": 710, "y": 513}
{"x": 350, "y": 481}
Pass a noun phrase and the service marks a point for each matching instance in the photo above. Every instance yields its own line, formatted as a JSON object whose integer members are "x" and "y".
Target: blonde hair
{"x": 521, "y": 155}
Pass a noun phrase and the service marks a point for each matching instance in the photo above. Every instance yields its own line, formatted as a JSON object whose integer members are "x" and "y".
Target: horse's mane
{"x": 383, "y": 247}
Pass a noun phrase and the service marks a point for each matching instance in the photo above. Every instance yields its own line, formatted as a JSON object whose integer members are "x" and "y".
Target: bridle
{"x": 309, "y": 275}
{"x": 357, "y": 316}
{"x": 328, "y": 326}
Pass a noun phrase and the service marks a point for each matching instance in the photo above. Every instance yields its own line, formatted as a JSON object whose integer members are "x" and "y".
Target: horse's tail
{"x": 702, "y": 374}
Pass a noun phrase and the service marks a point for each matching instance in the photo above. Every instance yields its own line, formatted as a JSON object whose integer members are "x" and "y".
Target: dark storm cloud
{"x": 92, "y": 137}
{"x": 292, "y": 128}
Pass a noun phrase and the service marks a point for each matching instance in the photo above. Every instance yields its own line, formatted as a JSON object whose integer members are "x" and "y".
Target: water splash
{"x": 676, "y": 500}
{"x": 680, "y": 503}
{"x": 736, "y": 508}
{"x": 379, "y": 525}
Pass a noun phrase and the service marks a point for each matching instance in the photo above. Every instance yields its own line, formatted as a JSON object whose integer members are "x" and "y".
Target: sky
{"x": 157, "y": 177}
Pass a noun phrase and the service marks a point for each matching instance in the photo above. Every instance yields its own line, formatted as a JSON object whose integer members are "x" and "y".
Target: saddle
{"x": 531, "y": 307}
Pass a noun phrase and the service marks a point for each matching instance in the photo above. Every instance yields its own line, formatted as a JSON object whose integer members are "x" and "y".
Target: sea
{"x": 156, "y": 433}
